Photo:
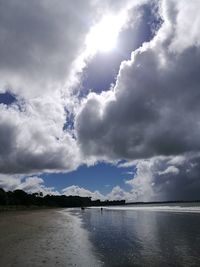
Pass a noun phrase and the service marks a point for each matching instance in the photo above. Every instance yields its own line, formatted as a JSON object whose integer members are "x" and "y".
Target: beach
{"x": 49, "y": 237}
{"x": 112, "y": 237}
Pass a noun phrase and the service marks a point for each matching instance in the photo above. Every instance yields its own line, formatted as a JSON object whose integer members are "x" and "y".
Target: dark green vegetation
{"x": 20, "y": 198}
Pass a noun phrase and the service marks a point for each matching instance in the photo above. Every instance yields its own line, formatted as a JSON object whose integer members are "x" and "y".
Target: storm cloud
{"x": 152, "y": 112}
{"x": 153, "y": 109}
{"x": 166, "y": 178}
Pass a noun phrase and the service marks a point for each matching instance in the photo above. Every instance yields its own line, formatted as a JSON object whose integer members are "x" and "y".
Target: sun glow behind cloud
{"x": 103, "y": 36}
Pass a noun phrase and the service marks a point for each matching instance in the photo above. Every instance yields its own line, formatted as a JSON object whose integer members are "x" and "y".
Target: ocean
{"x": 144, "y": 235}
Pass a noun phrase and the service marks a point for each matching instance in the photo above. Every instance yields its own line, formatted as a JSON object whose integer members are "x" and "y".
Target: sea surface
{"x": 144, "y": 236}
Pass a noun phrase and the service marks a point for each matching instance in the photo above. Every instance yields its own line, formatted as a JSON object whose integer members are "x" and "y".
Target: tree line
{"x": 21, "y": 198}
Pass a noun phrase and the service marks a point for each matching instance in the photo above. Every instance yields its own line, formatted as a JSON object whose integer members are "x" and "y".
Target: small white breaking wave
{"x": 192, "y": 209}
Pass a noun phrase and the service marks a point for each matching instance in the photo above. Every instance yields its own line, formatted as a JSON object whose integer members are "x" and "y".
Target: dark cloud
{"x": 171, "y": 178}
{"x": 154, "y": 109}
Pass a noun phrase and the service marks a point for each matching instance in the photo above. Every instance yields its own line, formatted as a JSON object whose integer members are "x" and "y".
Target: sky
{"x": 101, "y": 98}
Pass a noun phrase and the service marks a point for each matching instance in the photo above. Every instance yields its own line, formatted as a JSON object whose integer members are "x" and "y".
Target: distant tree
{"x": 21, "y": 197}
{"x": 3, "y": 197}
{"x": 35, "y": 194}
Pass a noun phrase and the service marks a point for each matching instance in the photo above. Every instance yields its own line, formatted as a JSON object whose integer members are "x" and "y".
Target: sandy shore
{"x": 44, "y": 238}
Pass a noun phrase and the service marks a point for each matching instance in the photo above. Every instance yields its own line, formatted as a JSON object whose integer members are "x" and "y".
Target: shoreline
{"x": 154, "y": 208}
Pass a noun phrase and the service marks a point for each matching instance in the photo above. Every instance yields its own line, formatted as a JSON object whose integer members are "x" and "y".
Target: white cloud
{"x": 75, "y": 190}
{"x": 9, "y": 182}
{"x": 117, "y": 193}
{"x": 142, "y": 182}
{"x": 35, "y": 184}
{"x": 170, "y": 170}
{"x": 33, "y": 139}
{"x": 185, "y": 19}
{"x": 32, "y": 184}
{"x": 130, "y": 172}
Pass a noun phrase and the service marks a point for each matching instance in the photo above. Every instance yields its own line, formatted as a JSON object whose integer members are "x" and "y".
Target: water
{"x": 143, "y": 237}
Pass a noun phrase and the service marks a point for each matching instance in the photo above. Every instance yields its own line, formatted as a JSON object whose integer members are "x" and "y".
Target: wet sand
{"x": 44, "y": 238}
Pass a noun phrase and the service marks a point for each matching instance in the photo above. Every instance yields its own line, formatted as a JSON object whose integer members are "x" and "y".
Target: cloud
{"x": 152, "y": 112}
{"x": 182, "y": 14}
{"x": 153, "y": 108}
{"x": 117, "y": 193}
{"x": 157, "y": 180}
{"x": 32, "y": 184}
{"x": 35, "y": 184}
{"x": 142, "y": 182}
{"x": 170, "y": 170}
{"x": 33, "y": 139}
{"x": 130, "y": 172}
{"x": 9, "y": 182}
{"x": 75, "y": 190}
{"x": 39, "y": 43}
{"x": 42, "y": 47}
{"x": 150, "y": 117}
